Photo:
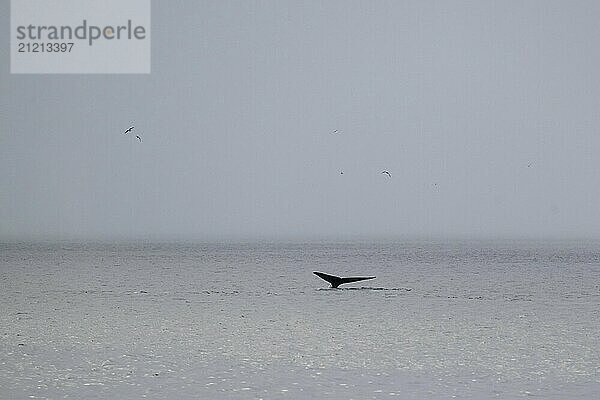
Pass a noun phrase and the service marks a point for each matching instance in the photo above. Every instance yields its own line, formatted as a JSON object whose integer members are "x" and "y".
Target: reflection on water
{"x": 472, "y": 320}
{"x": 366, "y": 288}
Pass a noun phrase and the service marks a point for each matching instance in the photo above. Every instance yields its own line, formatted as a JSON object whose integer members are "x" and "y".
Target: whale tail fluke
{"x": 336, "y": 281}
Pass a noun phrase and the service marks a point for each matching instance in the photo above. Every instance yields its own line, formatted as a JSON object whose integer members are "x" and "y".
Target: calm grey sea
{"x": 442, "y": 320}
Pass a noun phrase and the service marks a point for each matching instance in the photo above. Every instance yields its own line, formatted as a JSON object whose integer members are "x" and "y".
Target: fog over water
{"x": 181, "y": 265}
{"x": 485, "y": 113}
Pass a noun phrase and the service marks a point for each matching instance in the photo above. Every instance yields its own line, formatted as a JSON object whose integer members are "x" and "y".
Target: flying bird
{"x": 335, "y": 132}
{"x": 129, "y": 129}
{"x": 387, "y": 173}
{"x": 138, "y": 136}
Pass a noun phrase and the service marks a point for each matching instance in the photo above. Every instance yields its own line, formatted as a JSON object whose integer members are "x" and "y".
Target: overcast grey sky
{"x": 454, "y": 98}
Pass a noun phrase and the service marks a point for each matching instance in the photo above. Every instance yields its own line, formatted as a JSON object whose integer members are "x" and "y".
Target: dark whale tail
{"x": 336, "y": 281}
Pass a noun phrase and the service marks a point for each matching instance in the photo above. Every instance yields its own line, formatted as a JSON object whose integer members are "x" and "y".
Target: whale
{"x": 336, "y": 281}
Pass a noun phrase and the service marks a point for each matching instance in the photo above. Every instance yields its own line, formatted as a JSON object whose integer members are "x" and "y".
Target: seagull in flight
{"x": 129, "y": 129}
{"x": 387, "y": 173}
{"x": 138, "y": 136}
